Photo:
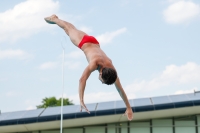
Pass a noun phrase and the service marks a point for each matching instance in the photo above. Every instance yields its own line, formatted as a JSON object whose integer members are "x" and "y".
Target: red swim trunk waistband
{"x": 88, "y": 39}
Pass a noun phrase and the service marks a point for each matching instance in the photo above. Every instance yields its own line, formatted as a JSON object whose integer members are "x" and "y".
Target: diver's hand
{"x": 84, "y": 107}
{"x": 129, "y": 114}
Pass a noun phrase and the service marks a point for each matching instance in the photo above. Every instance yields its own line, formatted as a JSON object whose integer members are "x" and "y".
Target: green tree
{"x": 52, "y": 102}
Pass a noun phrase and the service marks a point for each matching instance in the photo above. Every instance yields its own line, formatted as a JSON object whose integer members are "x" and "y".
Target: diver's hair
{"x": 109, "y": 75}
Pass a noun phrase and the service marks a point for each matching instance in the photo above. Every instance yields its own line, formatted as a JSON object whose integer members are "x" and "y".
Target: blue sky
{"x": 154, "y": 46}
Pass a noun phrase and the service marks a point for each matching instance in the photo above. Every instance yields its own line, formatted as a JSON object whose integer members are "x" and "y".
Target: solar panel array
{"x": 99, "y": 109}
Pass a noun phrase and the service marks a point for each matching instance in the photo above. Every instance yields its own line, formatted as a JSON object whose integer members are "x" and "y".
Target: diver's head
{"x": 108, "y": 76}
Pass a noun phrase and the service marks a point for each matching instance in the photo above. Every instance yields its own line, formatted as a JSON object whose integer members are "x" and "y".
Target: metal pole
{"x": 61, "y": 112}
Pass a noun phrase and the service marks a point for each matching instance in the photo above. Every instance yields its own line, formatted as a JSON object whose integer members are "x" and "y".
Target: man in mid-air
{"x": 97, "y": 60}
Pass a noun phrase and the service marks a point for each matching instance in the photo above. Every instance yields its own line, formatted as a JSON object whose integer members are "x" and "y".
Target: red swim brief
{"x": 87, "y": 39}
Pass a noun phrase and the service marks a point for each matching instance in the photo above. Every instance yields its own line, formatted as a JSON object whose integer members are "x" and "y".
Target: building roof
{"x": 101, "y": 110}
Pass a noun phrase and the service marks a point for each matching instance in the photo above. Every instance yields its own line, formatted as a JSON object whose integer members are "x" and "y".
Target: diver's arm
{"x": 82, "y": 83}
{"x": 119, "y": 88}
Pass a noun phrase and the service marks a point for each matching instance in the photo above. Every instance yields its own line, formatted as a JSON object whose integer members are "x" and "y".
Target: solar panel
{"x": 161, "y": 100}
{"x": 3, "y": 116}
{"x": 194, "y": 97}
{"x": 51, "y": 111}
{"x": 105, "y": 108}
{"x": 98, "y": 109}
{"x": 181, "y": 101}
{"x": 30, "y": 116}
{"x": 91, "y": 107}
{"x": 71, "y": 109}
{"x": 142, "y": 102}
{"x": 32, "y": 113}
{"x": 15, "y": 115}
{"x": 106, "y": 105}
{"x": 178, "y": 98}
{"x": 121, "y": 106}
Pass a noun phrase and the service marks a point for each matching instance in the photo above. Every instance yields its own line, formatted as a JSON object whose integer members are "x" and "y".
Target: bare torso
{"x": 94, "y": 54}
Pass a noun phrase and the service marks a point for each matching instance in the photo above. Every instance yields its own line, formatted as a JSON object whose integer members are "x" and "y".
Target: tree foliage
{"x": 52, "y": 102}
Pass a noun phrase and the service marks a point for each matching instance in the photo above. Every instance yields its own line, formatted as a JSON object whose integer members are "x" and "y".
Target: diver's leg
{"x": 74, "y": 34}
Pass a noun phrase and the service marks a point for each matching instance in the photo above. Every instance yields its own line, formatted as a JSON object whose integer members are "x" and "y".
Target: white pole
{"x": 61, "y": 112}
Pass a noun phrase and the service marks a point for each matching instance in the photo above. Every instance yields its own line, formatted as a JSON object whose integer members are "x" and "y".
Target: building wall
{"x": 185, "y": 124}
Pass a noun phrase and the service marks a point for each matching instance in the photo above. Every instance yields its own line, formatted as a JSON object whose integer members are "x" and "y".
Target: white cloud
{"x": 76, "y": 54}
{"x": 124, "y": 2}
{"x": 185, "y": 74}
{"x": 14, "y": 54}
{"x": 173, "y": 1}
{"x": 26, "y": 18}
{"x": 13, "y": 94}
{"x": 48, "y": 65}
{"x": 98, "y": 97}
{"x": 73, "y": 65}
{"x": 68, "y": 64}
{"x": 185, "y": 91}
{"x": 109, "y": 36}
{"x": 31, "y": 103}
{"x": 30, "y": 107}
{"x": 181, "y": 12}
{"x": 85, "y": 29}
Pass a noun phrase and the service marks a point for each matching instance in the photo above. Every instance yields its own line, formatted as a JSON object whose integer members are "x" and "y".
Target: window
{"x": 162, "y": 126}
{"x": 185, "y": 125}
{"x": 140, "y": 127}
{"x": 94, "y": 129}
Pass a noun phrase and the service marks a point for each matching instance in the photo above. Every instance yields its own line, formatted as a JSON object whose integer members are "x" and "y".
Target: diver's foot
{"x": 51, "y": 19}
